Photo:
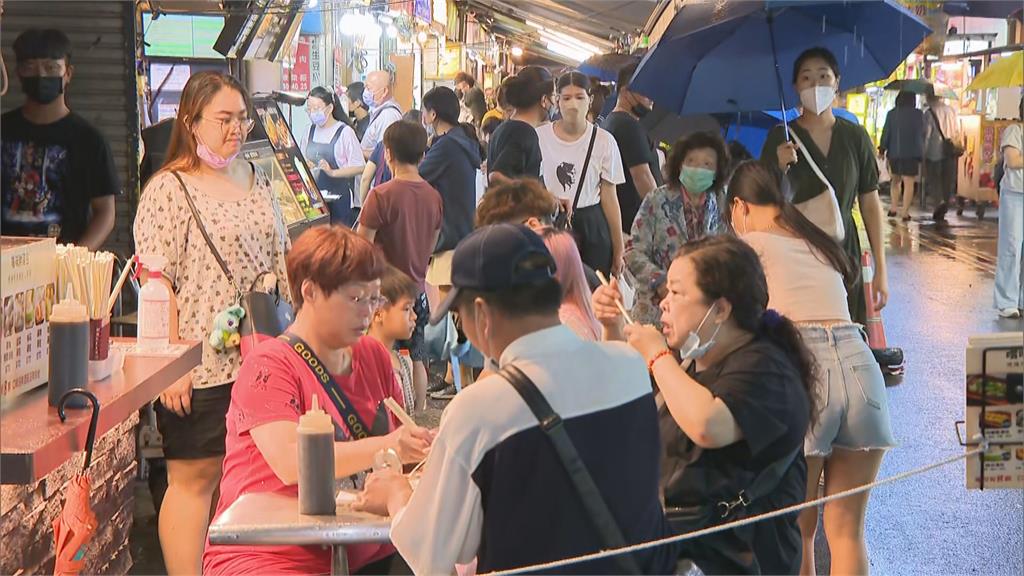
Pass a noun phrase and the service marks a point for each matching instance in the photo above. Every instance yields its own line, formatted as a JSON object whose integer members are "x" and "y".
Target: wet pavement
{"x": 941, "y": 279}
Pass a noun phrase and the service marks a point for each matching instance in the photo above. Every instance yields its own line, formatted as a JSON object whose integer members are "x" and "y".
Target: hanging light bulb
{"x": 517, "y": 51}
{"x": 422, "y": 37}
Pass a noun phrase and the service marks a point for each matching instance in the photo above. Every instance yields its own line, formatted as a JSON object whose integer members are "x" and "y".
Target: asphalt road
{"x": 941, "y": 280}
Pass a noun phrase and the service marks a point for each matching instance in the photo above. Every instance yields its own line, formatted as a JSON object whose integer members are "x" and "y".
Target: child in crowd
{"x": 395, "y": 320}
{"x": 403, "y": 217}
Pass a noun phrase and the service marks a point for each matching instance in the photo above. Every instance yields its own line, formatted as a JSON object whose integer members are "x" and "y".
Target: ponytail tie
{"x": 771, "y": 319}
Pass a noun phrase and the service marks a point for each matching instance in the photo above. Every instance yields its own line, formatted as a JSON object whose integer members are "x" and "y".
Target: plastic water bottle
{"x": 154, "y": 330}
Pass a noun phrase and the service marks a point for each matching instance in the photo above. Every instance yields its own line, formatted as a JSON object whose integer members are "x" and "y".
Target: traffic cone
{"x": 889, "y": 359}
{"x": 876, "y": 332}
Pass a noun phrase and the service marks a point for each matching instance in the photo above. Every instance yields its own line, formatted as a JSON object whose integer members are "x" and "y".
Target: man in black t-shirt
{"x": 638, "y": 153}
{"x": 57, "y": 170}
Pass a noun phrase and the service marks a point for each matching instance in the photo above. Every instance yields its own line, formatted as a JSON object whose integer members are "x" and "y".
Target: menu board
{"x": 273, "y": 148}
{"x": 995, "y": 405}
{"x": 28, "y": 267}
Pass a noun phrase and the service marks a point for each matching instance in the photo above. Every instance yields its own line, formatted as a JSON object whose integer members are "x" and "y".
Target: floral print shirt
{"x": 665, "y": 222}
{"x": 250, "y": 235}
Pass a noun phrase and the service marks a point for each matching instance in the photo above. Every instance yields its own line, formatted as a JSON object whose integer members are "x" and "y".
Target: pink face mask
{"x": 211, "y": 158}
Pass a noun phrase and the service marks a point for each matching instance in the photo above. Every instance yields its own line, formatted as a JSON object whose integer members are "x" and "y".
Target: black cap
{"x": 490, "y": 259}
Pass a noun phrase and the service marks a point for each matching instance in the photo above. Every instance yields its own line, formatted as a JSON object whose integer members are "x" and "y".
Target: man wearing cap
{"x": 493, "y": 487}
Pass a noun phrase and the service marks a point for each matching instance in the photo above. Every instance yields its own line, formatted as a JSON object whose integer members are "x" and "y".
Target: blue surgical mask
{"x": 696, "y": 180}
{"x": 692, "y": 349}
{"x": 319, "y": 117}
{"x": 368, "y": 100}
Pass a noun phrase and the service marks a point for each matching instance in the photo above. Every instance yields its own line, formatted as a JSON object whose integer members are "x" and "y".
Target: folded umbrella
{"x": 1003, "y": 73}
{"x": 76, "y": 523}
{"x": 738, "y": 55}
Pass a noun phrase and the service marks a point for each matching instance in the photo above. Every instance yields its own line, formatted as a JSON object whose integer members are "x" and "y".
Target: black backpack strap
{"x": 586, "y": 165}
{"x": 357, "y": 428}
{"x": 595, "y": 505}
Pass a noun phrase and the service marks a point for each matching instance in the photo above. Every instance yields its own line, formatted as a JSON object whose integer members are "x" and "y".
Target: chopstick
{"x": 120, "y": 283}
{"x": 396, "y": 409}
{"x": 618, "y": 303}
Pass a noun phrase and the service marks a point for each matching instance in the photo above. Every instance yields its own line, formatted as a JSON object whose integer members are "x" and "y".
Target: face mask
{"x": 574, "y": 109}
{"x": 42, "y": 89}
{"x": 319, "y": 117}
{"x": 211, "y": 158}
{"x": 368, "y": 100}
{"x": 692, "y": 349}
{"x": 640, "y": 110}
{"x": 817, "y": 99}
{"x": 431, "y": 131}
{"x": 696, "y": 180}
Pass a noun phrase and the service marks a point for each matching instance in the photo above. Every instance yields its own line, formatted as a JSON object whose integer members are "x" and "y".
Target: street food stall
{"x": 40, "y": 452}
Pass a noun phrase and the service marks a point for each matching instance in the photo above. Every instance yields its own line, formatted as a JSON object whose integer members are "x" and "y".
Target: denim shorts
{"x": 853, "y": 405}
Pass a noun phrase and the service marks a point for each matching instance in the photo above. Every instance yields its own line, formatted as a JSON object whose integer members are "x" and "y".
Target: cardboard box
{"x": 995, "y": 405}
{"x": 28, "y": 275}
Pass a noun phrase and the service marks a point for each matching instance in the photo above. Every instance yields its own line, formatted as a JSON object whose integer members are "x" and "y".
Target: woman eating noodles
{"x": 332, "y": 274}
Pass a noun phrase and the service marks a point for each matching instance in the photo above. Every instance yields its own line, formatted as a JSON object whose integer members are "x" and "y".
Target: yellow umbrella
{"x": 1005, "y": 72}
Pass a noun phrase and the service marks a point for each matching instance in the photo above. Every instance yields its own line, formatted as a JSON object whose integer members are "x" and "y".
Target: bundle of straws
{"x": 89, "y": 274}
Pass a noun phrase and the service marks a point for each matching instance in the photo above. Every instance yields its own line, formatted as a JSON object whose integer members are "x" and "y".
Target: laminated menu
{"x": 28, "y": 267}
{"x": 995, "y": 408}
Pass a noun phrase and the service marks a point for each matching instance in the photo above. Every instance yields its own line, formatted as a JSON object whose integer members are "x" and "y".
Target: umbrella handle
{"x": 90, "y": 438}
{"x": 778, "y": 72}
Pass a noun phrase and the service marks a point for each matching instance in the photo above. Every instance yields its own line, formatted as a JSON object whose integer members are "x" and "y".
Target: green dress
{"x": 851, "y": 169}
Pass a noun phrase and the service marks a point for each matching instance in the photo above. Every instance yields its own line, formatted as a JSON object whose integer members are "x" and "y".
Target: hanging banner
{"x": 296, "y": 79}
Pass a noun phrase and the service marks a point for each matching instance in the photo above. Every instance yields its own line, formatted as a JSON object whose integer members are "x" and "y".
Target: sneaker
{"x": 447, "y": 394}
{"x": 940, "y": 213}
{"x": 439, "y": 386}
{"x": 1009, "y": 313}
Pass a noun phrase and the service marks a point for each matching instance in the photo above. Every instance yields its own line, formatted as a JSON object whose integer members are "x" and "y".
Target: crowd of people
{"x": 749, "y": 313}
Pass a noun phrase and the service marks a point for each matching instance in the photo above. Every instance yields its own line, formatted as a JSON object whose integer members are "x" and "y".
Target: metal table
{"x": 274, "y": 519}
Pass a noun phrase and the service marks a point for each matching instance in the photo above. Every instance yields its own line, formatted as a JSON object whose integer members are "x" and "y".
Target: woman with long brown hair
{"x": 234, "y": 203}
{"x": 808, "y": 274}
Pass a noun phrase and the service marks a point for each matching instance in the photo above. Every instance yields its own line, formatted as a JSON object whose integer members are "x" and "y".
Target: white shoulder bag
{"x": 823, "y": 209}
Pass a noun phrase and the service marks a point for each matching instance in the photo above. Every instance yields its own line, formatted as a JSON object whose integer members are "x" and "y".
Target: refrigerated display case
{"x": 272, "y": 147}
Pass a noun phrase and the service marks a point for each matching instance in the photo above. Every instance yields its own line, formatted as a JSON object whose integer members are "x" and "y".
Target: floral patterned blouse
{"x": 665, "y": 222}
{"x": 250, "y": 235}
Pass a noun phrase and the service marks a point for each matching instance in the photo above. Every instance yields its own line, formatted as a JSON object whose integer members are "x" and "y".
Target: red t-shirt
{"x": 273, "y": 385}
{"x": 407, "y": 216}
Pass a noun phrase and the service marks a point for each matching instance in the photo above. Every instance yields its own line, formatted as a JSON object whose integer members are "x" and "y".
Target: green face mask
{"x": 696, "y": 180}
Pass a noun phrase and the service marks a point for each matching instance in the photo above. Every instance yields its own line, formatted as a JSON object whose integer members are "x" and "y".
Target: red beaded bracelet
{"x": 658, "y": 356}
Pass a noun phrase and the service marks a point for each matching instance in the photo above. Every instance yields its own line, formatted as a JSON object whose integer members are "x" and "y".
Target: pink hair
{"x": 575, "y": 290}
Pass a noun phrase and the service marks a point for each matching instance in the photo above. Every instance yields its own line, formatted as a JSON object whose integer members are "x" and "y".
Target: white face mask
{"x": 692, "y": 349}
{"x": 817, "y": 99}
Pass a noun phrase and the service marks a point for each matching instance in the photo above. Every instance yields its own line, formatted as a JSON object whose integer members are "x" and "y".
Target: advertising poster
{"x": 995, "y": 406}
{"x": 273, "y": 147}
{"x": 29, "y": 273}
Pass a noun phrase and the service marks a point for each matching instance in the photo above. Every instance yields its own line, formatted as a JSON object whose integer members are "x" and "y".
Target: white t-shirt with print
{"x": 562, "y": 162}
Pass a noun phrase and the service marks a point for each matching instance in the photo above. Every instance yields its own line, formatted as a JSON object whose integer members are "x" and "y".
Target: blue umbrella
{"x": 738, "y": 55}
{"x": 607, "y": 66}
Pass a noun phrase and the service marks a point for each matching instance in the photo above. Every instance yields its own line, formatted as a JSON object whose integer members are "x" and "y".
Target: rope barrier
{"x": 983, "y": 446}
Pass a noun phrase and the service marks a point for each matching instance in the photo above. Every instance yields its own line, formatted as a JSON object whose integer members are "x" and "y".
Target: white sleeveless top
{"x": 802, "y": 285}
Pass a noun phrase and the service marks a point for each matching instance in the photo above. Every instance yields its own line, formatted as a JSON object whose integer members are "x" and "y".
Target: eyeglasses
{"x": 245, "y": 124}
{"x": 373, "y": 302}
{"x": 316, "y": 108}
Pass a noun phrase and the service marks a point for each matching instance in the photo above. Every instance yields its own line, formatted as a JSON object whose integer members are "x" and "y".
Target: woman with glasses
{"x": 334, "y": 276}
{"x": 332, "y": 151}
{"x": 233, "y": 202}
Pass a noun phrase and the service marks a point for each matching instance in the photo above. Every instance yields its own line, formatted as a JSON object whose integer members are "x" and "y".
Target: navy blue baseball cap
{"x": 491, "y": 259}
